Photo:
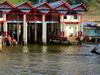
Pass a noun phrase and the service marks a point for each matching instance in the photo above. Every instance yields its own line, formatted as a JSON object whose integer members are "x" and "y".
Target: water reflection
{"x": 44, "y": 49}
{"x": 49, "y": 60}
{"x": 25, "y": 49}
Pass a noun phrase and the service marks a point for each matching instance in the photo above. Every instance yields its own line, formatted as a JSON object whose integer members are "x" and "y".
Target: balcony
{"x": 51, "y": 19}
{"x": 31, "y": 18}
{"x": 14, "y": 18}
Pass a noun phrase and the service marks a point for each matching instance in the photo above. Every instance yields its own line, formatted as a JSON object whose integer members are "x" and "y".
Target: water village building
{"x": 41, "y": 22}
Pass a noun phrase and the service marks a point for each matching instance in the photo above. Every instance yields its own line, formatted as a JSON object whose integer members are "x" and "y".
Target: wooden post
{"x": 52, "y": 32}
{"x": 18, "y": 31}
{"x": 35, "y": 32}
{"x": 61, "y": 26}
{"x": 95, "y": 40}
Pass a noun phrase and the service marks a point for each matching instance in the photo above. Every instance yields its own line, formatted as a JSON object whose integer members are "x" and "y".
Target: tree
{"x": 72, "y": 2}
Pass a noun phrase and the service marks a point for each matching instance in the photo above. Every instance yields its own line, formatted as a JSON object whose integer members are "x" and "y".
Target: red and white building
{"x": 41, "y": 22}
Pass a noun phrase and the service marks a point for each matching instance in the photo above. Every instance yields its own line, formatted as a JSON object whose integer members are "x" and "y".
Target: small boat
{"x": 9, "y": 41}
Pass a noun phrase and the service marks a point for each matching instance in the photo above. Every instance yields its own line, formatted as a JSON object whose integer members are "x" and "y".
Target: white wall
{"x": 86, "y": 32}
{"x": 1, "y": 19}
{"x": 70, "y": 18}
{"x": 71, "y": 29}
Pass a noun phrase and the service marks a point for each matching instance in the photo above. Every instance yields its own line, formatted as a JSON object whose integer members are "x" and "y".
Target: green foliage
{"x": 14, "y": 2}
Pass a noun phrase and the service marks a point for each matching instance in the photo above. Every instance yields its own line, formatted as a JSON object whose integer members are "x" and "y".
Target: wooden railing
{"x": 51, "y": 19}
{"x": 34, "y": 18}
{"x": 15, "y": 18}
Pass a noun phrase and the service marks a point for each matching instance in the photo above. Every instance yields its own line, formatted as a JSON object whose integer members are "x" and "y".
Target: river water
{"x": 38, "y": 59}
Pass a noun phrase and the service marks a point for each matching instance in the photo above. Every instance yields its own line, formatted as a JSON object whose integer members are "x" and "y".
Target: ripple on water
{"x": 49, "y": 60}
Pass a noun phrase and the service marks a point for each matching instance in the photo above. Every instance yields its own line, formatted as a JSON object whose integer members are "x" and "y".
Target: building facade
{"x": 92, "y": 29}
{"x": 41, "y": 22}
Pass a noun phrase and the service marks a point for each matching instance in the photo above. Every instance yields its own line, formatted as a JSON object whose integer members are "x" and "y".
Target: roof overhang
{"x": 24, "y": 4}
{"x": 80, "y": 6}
{"x": 63, "y": 11}
{"x": 5, "y": 10}
{"x": 7, "y": 3}
{"x": 44, "y": 4}
{"x": 44, "y": 10}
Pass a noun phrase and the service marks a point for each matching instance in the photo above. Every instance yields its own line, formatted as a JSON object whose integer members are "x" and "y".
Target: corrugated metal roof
{"x": 61, "y": 11}
{"x": 54, "y": 6}
{"x": 70, "y": 13}
{"x": 80, "y": 12}
{"x": 73, "y": 6}
{"x": 55, "y": 22}
{"x": 32, "y": 21}
{"x": 52, "y": 21}
{"x": 38, "y": 21}
{"x": 5, "y": 10}
{"x": 90, "y": 27}
{"x": 44, "y": 11}
{"x": 86, "y": 23}
{"x": 15, "y": 21}
{"x": 24, "y": 10}
{"x": 41, "y": 22}
{"x": 54, "y": 3}
{"x": 19, "y": 4}
{"x": 37, "y": 5}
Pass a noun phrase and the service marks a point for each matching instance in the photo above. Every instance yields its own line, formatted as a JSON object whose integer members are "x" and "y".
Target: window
{"x": 75, "y": 16}
{"x": 69, "y": 27}
{"x": 96, "y": 30}
{"x": 65, "y": 16}
{"x": 0, "y": 15}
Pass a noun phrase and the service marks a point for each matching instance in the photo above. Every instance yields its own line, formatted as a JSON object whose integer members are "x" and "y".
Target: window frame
{"x": 1, "y": 16}
{"x": 75, "y": 17}
{"x": 96, "y": 31}
{"x": 65, "y": 16}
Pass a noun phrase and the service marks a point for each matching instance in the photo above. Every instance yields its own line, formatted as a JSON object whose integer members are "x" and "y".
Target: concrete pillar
{"x": 61, "y": 26}
{"x": 44, "y": 30}
{"x": 24, "y": 30}
{"x": 35, "y": 32}
{"x": 5, "y": 26}
{"x": 61, "y": 29}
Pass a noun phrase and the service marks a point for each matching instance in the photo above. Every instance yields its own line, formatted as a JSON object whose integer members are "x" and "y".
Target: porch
{"x": 65, "y": 40}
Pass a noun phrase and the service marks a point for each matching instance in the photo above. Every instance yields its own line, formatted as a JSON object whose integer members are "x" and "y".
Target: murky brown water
{"x": 49, "y": 60}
